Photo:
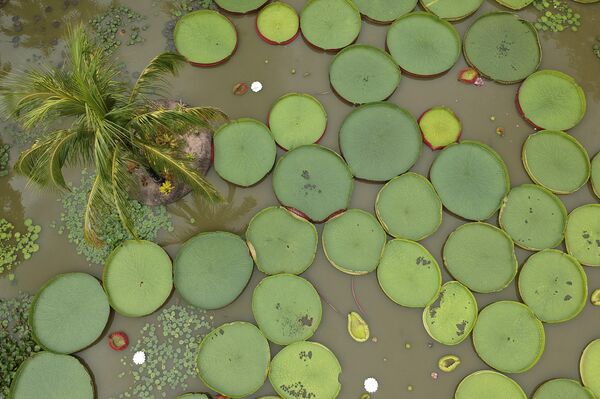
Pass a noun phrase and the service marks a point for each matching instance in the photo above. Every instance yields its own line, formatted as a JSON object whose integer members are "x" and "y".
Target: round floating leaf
{"x": 562, "y": 388}
{"x": 557, "y": 161}
{"x": 305, "y": 368}
{"x": 364, "y": 74}
{"x": 297, "y": 119}
{"x": 275, "y": 234}
{"x": 50, "y": 376}
{"x": 508, "y": 337}
{"x": 240, "y": 6}
{"x": 490, "y": 385}
{"x": 423, "y": 44}
{"x": 233, "y": 359}
{"x": 278, "y": 23}
{"x": 553, "y": 285}
{"x": 408, "y": 274}
{"x": 381, "y": 131}
{"x": 69, "y": 313}
{"x": 582, "y": 236}
{"x": 408, "y": 207}
{"x": 205, "y": 37}
{"x": 314, "y": 181}
{"x": 515, "y": 4}
{"x": 551, "y": 100}
{"x": 589, "y": 366}
{"x": 451, "y": 318}
{"x": 503, "y": 47}
{"x": 138, "y": 278}
{"x": 212, "y": 269}
{"x": 193, "y": 396}
{"x": 330, "y": 24}
{"x": 471, "y": 179}
{"x": 533, "y": 217}
{"x": 287, "y": 308}
{"x": 451, "y": 10}
{"x": 440, "y": 127}
{"x": 353, "y": 242}
{"x": 595, "y": 175}
{"x": 481, "y": 256}
{"x": 385, "y": 11}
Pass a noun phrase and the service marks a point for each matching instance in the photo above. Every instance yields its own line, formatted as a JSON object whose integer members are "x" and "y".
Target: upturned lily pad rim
{"x": 240, "y": 13}
{"x": 424, "y": 134}
{"x": 561, "y": 205}
{"x": 584, "y": 388}
{"x": 330, "y": 50}
{"x": 422, "y": 2}
{"x": 566, "y": 136}
{"x": 595, "y": 178}
{"x": 509, "y": 6}
{"x": 263, "y": 36}
{"x": 567, "y": 246}
{"x": 192, "y": 395}
{"x": 476, "y": 373}
{"x": 587, "y": 349}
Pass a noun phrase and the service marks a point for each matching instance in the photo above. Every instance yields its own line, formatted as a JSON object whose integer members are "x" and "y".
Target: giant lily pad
{"x": 69, "y": 313}
{"x": 562, "y": 388}
{"x": 330, "y": 24}
{"x": 240, "y": 6}
{"x": 381, "y": 131}
{"x": 193, "y": 396}
{"x": 595, "y": 175}
{"x": 490, "y": 385}
{"x": 503, "y": 47}
{"x": 515, "y": 4}
{"x": 278, "y": 23}
{"x": 589, "y": 366}
{"x": 582, "y": 236}
{"x": 287, "y": 308}
{"x": 314, "y": 181}
{"x": 233, "y": 359}
{"x": 451, "y": 10}
{"x": 385, "y": 11}
{"x": 508, "y": 337}
{"x": 440, "y": 127}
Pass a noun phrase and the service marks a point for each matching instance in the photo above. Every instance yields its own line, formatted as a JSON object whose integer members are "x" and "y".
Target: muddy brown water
{"x": 387, "y": 359}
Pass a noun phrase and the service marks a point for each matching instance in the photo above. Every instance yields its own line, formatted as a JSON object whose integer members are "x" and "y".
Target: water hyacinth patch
{"x": 556, "y": 16}
{"x": 16, "y": 246}
{"x": 118, "y": 25}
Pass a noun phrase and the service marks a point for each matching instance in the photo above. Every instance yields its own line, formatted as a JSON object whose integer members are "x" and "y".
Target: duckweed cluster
{"x": 170, "y": 345}
{"x": 118, "y": 25}
{"x": 16, "y": 342}
{"x": 16, "y": 247}
{"x": 4, "y": 157}
{"x": 556, "y": 16}
{"x": 147, "y": 221}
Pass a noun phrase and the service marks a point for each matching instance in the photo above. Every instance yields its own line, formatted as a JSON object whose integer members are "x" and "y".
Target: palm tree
{"x": 111, "y": 126}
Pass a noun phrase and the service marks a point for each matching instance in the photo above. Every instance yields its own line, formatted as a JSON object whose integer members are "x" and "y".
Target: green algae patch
{"x": 533, "y": 217}
{"x": 385, "y": 11}
{"x": 305, "y": 370}
{"x": 423, "y": 44}
{"x": 313, "y": 181}
{"x": 408, "y": 207}
{"x": 440, "y": 127}
{"x": 509, "y": 337}
{"x": 358, "y": 327}
{"x": 451, "y": 10}
{"x": 330, "y": 24}
{"x": 233, "y": 359}
{"x": 287, "y": 308}
{"x": 553, "y": 285}
{"x": 274, "y": 234}
{"x": 595, "y": 174}
{"x": 471, "y": 179}
{"x": 51, "y": 376}
{"x": 240, "y": 6}
{"x": 138, "y": 278}
{"x": 408, "y": 274}
{"x": 582, "y": 236}
{"x": 562, "y": 388}
{"x": 353, "y": 242}
{"x": 490, "y": 385}
{"x": 363, "y": 74}
{"x": 515, "y": 4}
{"x": 502, "y": 47}
{"x": 69, "y": 313}
{"x": 278, "y": 23}
{"x": 212, "y": 269}
{"x": 381, "y": 131}
{"x": 589, "y": 366}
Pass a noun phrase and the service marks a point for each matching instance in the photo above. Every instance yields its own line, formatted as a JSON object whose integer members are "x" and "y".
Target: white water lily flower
{"x": 371, "y": 385}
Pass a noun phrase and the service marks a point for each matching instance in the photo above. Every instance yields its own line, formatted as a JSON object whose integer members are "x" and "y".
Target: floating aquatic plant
{"x": 116, "y": 26}
{"x": 448, "y": 363}
{"x": 4, "y": 158}
{"x": 556, "y": 16}
{"x": 358, "y": 327}
{"x": 16, "y": 246}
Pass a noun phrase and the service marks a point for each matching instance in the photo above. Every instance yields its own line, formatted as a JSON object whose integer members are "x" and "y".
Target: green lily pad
{"x": 595, "y": 174}
{"x": 278, "y": 23}
{"x": 364, "y": 74}
{"x": 233, "y": 359}
{"x": 353, "y": 242}
{"x": 330, "y": 24}
{"x": 423, "y": 44}
{"x": 490, "y": 385}
{"x": 589, "y": 366}
{"x": 556, "y": 161}
{"x": 515, "y": 4}
{"x": 314, "y": 181}
{"x": 503, "y": 47}
{"x": 408, "y": 207}
{"x": 297, "y": 119}
{"x": 440, "y": 127}
{"x": 212, "y": 269}
{"x": 51, "y": 376}
{"x": 471, "y": 179}
{"x": 240, "y": 6}
{"x": 275, "y": 234}
{"x": 562, "y": 388}
{"x": 508, "y": 337}
{"x": 287, "y": 308}
{"x": 481, "y": 256}
{"x": 381, "y": 131}
{"x": 451, "y": 10}
{"x": 533, "y": 217}
{"x": 205, "y": 37}
{"x": 451, "y": 318}
{"x": 193, "y": 396}
{"x": 385, "y": 11}
{"x": 408, "y": 274}
{"x": 305, "y": 368}
{"x": 138, "y": 278}
{"x": 582, "y": 236}
{"x": 551, "y": 100}
{"x": 69, "y": 313}
{"x": 553, "y": 285}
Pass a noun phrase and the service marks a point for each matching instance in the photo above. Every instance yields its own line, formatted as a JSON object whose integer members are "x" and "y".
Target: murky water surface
{"x": 30, "y": 30}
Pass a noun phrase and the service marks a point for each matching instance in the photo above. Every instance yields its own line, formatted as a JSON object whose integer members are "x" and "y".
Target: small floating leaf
{"x": 449, "y": 363}
{"x": 596, "y": 297}
{"x": 358, "y": 327}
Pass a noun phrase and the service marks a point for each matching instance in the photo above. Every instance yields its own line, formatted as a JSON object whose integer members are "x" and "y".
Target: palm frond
{"x": 153, "y": 77}
{"x": 95, "y": 210}
{"x": 120, "y": 196}
{"x": 179, "y": 119}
